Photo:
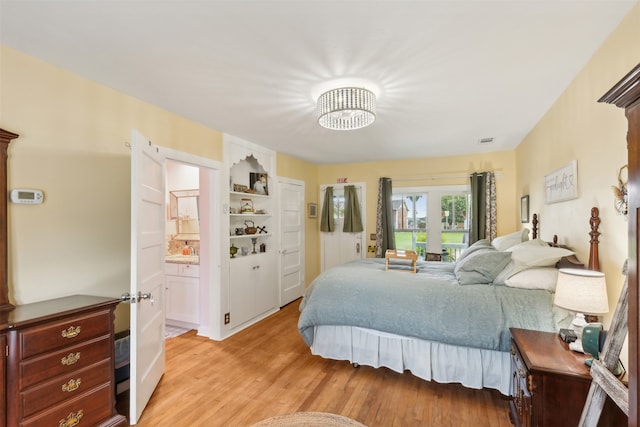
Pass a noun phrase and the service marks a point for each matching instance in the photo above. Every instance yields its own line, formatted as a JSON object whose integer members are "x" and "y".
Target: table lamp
{"x": 584, "y": 292}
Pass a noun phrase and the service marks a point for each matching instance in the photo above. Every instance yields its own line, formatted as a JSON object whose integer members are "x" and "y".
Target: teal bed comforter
{"x": 430, "y": 305}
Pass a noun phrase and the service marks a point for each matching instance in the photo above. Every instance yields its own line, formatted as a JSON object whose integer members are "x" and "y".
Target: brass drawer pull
{"x": 72, "y": 419}
{"x": 72, "y": 385}
{"x": 72, "y": 332}
{"x": 71, "y": 359}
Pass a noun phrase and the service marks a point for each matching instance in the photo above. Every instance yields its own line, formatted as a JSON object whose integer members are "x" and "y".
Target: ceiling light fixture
{"x": 346, "y": 108}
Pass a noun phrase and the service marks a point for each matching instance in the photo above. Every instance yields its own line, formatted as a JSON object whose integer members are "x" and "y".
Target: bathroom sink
{"x": 183, "y": 259}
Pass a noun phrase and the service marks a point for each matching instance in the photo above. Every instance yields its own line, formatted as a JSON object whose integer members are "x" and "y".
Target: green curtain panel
{"x": 327, "y": 223}
{"x": 352, "y": 216}
{"x": 385, "y": 237}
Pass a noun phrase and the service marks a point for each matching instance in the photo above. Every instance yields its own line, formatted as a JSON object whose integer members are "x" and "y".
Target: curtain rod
{"x": 498, "y": 174}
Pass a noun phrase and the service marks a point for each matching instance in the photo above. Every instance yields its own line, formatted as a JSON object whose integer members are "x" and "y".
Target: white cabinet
{"x": 253, "y": 288}
{"x": 182, "y": 293}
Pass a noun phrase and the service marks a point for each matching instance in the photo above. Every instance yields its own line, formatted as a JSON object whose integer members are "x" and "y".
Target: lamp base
{"x": 578, "y": 324}
{"x": 618, "y": 371}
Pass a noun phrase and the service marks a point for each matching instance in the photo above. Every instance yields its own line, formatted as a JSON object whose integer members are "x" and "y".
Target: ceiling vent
{"x": 485, "y": 141}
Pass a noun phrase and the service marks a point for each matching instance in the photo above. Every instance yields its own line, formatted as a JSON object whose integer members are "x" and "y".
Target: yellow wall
{"x": 405, "y": 173}
{"x": 72, "y": 146}
{"x": 578, "y": 127}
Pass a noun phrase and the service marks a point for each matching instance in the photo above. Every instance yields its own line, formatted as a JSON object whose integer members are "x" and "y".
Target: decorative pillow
{"x": 539, "y": 256}
{"x": 529, "y": 243}
{"x": 535, "y": 278}
{"x": 481, "y": 267}
{"x": 502, "y": 243}
{"x": 482, "y": 244}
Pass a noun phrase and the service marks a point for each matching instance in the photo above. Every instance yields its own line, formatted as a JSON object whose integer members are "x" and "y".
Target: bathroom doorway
{"x": 192, "y": 273}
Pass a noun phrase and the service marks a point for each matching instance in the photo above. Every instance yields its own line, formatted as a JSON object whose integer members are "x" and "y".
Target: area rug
{"x": 309, "y": 419}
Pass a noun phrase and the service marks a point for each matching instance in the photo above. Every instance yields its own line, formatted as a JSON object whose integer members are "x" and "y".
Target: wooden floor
{"x": 267, "y": 370}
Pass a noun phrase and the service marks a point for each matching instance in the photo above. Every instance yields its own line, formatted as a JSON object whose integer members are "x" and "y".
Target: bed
{"x": 448, "y": 322}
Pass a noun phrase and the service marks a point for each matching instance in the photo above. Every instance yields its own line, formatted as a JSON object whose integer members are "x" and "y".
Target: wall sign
{"x": 562, "y": 183}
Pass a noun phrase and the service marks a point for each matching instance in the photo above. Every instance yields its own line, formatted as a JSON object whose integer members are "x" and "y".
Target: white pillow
{"x": 503, "y": 243}
{"x": 528, "y": 243}
{"x": 534, "y": 278}
{"x": 538, "y": 256}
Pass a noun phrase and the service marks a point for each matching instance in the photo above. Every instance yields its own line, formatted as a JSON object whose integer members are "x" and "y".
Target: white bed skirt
{"x": 471, "y": 367}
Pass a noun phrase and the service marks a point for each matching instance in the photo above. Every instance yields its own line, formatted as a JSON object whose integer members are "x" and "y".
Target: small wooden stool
{"x": 411, "y": 256}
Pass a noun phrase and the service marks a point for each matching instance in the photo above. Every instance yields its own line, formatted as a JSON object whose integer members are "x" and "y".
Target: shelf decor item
{"x": 246, "y": 206}
{"x": 259, "y": 183}
{"x": 250, "y": 229}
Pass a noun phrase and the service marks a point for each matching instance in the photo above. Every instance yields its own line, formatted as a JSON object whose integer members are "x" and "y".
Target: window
{"x": 410, "y": 221}
{"x": 432, "y": 219}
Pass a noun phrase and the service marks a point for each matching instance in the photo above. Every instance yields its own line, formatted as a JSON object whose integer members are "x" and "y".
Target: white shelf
{"x": 249, "y": 215}
{"x": 237, "y": 193}
{"x": 240, "y": 236}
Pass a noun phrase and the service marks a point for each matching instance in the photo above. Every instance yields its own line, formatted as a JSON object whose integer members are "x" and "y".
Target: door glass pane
{"x": 410, "y": 221}
{"x": 454, "y": 224}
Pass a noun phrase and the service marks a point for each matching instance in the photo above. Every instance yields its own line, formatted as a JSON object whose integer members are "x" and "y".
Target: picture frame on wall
{"x": 562, "y": 183}
{"x": 312, "y": 210}
{"x": 259, "y": 183}
{"x": 524, "y": 209}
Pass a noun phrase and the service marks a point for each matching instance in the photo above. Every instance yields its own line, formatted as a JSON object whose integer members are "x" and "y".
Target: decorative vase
{"x": 233, "y": 250}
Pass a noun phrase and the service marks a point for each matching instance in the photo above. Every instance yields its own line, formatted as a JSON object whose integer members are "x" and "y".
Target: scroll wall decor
{"x": 562, "y": 183}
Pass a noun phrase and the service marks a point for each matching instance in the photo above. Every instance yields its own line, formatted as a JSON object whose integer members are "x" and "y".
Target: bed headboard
{"x": 572, "y": 261}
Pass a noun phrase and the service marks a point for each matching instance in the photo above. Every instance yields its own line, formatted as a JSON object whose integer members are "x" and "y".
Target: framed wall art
{"x": 312, "y": 210}
{"x": 524, "y": 209}
{"x": 562, "y": 183}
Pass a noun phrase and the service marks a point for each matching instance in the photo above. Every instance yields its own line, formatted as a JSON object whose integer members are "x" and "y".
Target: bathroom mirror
{"x": 184, "y": 207}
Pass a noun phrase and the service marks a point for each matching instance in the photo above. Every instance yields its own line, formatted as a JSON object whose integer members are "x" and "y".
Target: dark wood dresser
{"x": 550, "y": 383}
{"x": 60, "y": 363}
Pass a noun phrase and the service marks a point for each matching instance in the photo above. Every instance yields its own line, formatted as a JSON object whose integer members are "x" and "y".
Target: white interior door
{"x": 338, "y": 247}
{"x": 291, "y": 240}
{"x": 147, "y": 273}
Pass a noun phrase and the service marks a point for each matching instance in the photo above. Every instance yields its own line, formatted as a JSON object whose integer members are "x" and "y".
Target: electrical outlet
{"x": 227, "y": 318}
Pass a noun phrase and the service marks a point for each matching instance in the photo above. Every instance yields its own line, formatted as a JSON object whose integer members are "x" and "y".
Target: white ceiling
{"x": 448, "y": 73}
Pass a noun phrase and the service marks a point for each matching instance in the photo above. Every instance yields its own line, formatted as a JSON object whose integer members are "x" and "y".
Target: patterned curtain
{"x": 491, "y": 222}
{"x": 327, "y": 222}
{"x": 352, "y": 216}
{"x": 385, "y": 238}
{"x": 483, "y": 207}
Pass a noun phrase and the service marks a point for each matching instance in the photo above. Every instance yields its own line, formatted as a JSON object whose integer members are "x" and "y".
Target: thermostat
{"x": 26, "y": 196}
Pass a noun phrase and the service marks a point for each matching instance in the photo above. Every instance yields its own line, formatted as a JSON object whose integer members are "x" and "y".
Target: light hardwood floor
{"x": 267, "y": 370}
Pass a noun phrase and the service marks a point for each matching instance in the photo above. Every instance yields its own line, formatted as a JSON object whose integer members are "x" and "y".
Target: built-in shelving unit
{"x": 253, "y": 291}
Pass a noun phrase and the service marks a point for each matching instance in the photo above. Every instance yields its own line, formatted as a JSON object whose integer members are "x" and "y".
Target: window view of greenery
{"x": 412, "y": 226}
{"x": 455, "y": 224}
{"x": 410, "y": 222}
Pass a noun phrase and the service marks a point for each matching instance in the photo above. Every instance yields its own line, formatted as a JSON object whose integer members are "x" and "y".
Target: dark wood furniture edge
{"x": 5, "y": 139}
{"x": 626, "y": 94}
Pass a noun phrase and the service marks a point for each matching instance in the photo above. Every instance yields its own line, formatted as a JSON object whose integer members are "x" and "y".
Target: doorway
{"x": 338, "y": 247}
{"x": 199, "y": 283}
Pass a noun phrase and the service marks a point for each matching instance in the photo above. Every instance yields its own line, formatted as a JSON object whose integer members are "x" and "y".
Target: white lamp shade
{"x": 581, "y": 291}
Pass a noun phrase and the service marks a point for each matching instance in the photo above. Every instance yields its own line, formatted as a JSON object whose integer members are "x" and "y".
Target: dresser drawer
{"x": 64, "y": 387}
{"x": 87, "y": 410}
{"x": 65, "y": 361}
{"x": 41, "y": 339}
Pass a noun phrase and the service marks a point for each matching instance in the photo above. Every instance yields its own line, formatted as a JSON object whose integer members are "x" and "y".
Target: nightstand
{"x": 550, "y": 383}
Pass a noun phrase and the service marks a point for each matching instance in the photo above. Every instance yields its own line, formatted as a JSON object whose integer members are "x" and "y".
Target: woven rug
{"x": 309, "y": 419}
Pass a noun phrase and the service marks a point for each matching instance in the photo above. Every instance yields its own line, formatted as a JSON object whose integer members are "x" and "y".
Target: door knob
{"x": 146, "y": 295}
